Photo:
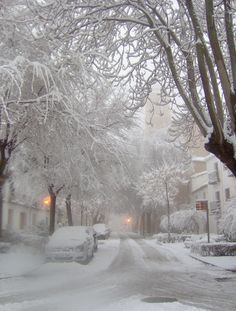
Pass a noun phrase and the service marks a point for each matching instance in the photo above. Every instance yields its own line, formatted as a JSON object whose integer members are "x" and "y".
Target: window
{"x": 22, "y": 220}
{"x": 227, "y": 194}
{"x": 217, "y": 195}
{"x": 10, "y": 217}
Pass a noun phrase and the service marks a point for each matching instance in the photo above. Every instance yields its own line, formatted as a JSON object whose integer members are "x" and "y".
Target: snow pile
{"x": 228, "y": 223}
{"x": 184, "y": 221}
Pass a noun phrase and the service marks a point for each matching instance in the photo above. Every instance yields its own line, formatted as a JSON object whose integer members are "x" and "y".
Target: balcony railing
{"x": 213, "y": 177}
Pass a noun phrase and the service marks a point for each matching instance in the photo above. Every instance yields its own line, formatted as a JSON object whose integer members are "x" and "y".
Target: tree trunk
{"x": 223, "y": 151}
{"x": 52, "y": 212}
{"x": 68, "y": 210}
{"x": 53, "y": 197}
{"x": 1, "y": 209}
{"x": 143, "y": 223}
{"x": 168, "y": 211}
{"x": 81, "y": 214}
{"x": 3, "y": 177}
{"x": 149, "y": 229}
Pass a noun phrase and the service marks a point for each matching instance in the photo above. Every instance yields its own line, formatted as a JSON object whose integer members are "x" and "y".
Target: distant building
{"x": 20, "y": 217}
{"x": 216, "y": 184}
{"x": 156, "y": 117}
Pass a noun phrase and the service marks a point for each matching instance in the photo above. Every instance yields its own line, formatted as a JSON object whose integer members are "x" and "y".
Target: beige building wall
{"x": 156, "y": 118}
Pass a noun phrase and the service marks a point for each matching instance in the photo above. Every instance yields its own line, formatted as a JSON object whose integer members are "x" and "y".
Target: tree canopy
{"x": 187, "y": 47}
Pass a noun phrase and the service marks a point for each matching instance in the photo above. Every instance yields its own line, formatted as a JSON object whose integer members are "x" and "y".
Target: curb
{"x": 211, "y": 264}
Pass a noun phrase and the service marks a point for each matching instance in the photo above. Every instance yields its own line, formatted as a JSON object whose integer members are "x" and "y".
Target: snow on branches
{"x": 184, "y": 221}
{"x": 228, "y": 222}
{"x": 188, "y": 49}
{"x": 159, "y": 185}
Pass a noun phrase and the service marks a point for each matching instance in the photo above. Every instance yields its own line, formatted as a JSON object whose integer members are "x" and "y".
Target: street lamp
{"x": 47, "y": 201}
{"x": 129, "y": 220}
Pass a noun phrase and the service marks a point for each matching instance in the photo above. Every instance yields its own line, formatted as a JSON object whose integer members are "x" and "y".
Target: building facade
{"x": 217, "y": 185}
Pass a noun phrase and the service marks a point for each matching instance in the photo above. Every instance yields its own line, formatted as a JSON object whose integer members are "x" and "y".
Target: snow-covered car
{"x": 102, "y": 231}
{"x": 76, "y": 243}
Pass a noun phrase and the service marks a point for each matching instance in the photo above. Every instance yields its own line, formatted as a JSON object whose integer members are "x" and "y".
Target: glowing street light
{"x": 47, "y": 201}
{"x": 128, "y": 220}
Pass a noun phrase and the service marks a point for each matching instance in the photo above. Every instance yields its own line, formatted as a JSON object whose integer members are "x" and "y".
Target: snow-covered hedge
{"x": 228, "y": 223}
{"x": 214, "y": 249}
{"x": 202, "y": 238}
{"x": 188, "y": 221}
{"x": 163, "y": 237}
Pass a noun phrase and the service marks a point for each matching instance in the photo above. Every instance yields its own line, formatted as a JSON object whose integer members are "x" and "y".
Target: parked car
{"x": 76, "y": 243}
{"x": 102, "y": 231}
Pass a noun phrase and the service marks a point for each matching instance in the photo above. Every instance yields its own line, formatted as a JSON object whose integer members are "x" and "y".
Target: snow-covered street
{"x": 123, "y": 272}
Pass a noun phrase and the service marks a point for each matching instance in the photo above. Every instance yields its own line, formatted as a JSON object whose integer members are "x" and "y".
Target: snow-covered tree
{"x": 50, "y": 98}
{"x": 159, "y": 186}
{"x": 184, "y": 221}
{"x": 77, "y": 146}
{"x": 228, "y": 222}
{"x": 30, "y": 85}
{"x": 187, "y": 47}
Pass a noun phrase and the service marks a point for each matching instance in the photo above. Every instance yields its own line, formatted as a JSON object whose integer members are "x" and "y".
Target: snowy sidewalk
{"x": 180, "y": 251}
{"x": 18, "y": 261}
{"x": 225, "y": 262}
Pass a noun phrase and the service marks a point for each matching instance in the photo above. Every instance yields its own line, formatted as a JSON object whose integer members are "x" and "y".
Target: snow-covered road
{"x": 122, "y": 273}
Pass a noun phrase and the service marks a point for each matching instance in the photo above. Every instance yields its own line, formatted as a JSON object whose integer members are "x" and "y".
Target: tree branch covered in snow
{"x": 188, "y": 49}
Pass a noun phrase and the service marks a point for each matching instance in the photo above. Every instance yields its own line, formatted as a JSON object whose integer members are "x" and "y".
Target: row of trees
{"x": 62, "y": 124}
{"x": 56, "y": 59}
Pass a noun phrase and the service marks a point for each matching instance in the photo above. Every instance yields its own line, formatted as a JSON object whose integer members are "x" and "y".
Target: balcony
{"x": 213, "y": 177}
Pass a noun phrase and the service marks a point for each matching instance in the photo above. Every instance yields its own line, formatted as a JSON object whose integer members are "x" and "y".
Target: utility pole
{"x": 168, "y": 210}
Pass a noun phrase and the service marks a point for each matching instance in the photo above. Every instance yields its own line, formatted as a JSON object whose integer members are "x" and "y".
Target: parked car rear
{"x": 102, "y": 231}
{"x": 76, "y": 243}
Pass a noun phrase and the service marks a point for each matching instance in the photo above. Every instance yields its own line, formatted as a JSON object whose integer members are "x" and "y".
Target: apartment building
{"x": 216, "y": 184}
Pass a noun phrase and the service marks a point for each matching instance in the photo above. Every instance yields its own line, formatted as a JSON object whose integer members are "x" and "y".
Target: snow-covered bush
{"x": 214, "y": 249}
{"x": 188, "y": 221}
{"x": 228, "y": 223}
{"x": 174, "y": 237}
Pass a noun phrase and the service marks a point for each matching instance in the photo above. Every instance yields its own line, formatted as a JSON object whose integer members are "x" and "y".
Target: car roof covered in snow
{"x": 98, "y": 227}
{"x": 68, "y": 236}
